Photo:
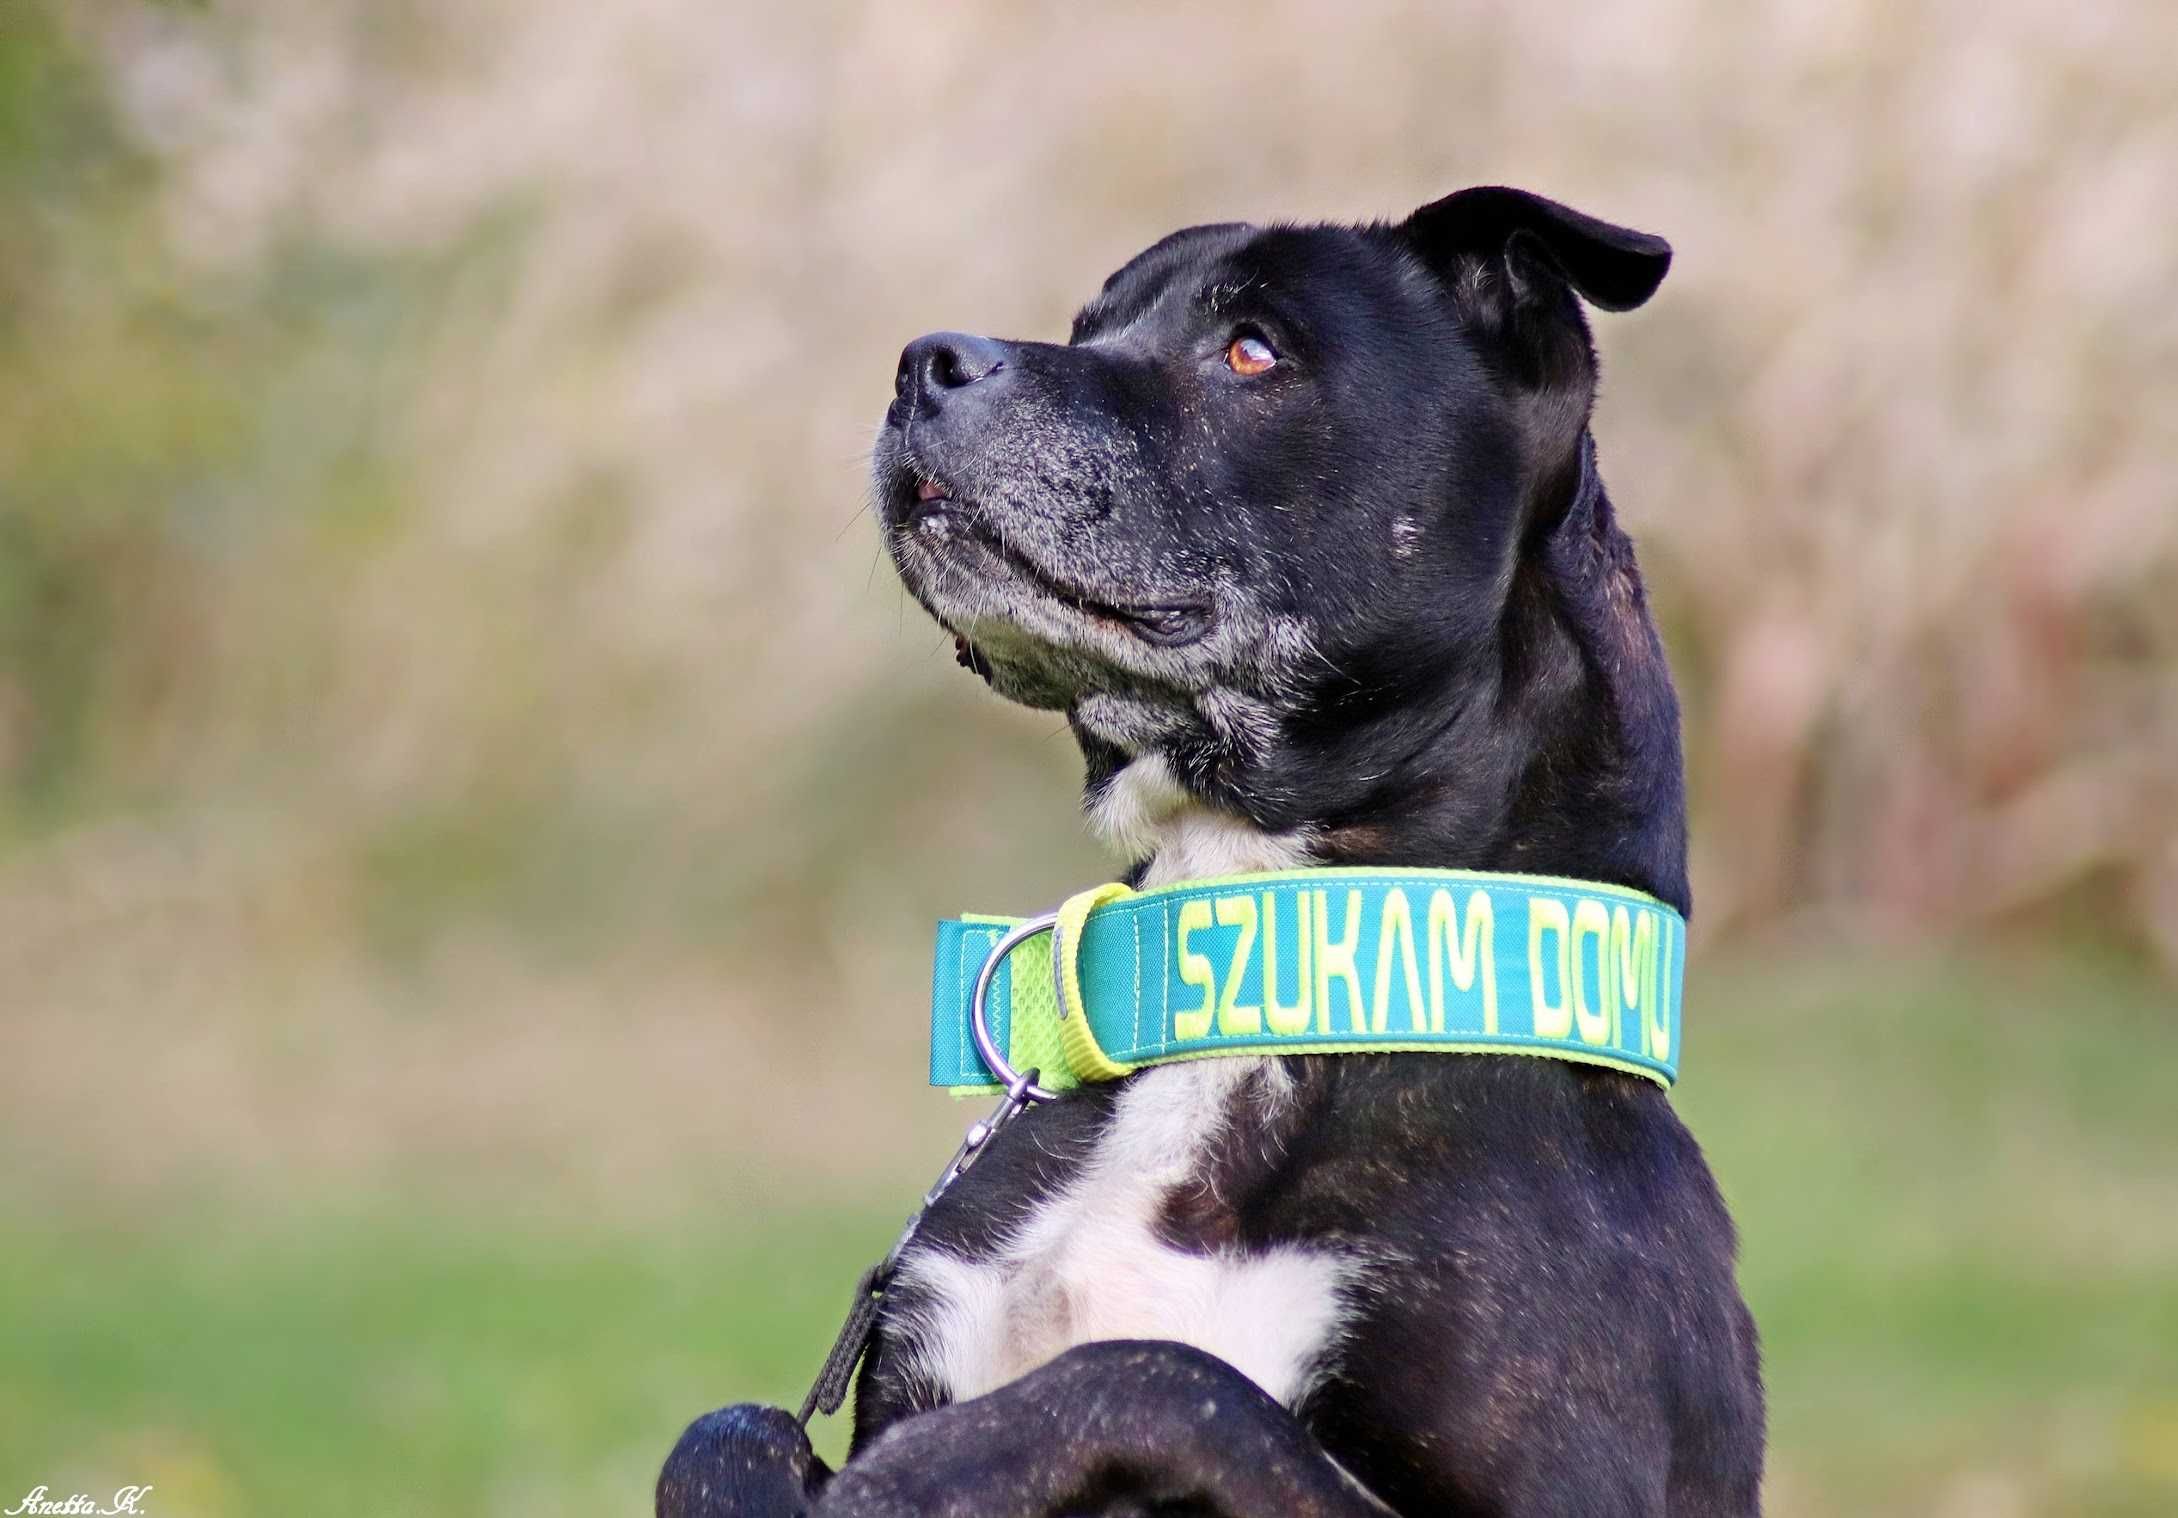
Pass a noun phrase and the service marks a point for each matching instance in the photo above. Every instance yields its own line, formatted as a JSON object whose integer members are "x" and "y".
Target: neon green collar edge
{"x": 1319, "y": 961}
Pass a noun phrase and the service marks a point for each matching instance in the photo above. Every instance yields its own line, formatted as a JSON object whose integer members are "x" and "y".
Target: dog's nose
{"x": 943, "y": 361}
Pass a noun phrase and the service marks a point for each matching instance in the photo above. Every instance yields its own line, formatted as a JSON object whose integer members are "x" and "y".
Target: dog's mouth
{"x": 927, "y": 511}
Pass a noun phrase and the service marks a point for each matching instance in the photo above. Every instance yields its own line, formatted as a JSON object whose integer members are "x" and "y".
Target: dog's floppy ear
{"x": 1612, "y": 267}
{"x": 1513, "y": 264}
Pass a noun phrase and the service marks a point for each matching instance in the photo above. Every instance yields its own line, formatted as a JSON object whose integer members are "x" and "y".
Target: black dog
{"x": 1303, "y": 532}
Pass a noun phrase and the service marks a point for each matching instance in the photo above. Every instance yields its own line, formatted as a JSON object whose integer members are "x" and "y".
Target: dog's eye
{"x": 1249, "y": 355}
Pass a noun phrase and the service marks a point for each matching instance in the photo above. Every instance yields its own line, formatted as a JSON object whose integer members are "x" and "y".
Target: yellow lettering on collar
{"x": 1633, "y": 939}
{"x": 1396, "y": 932}
{"x": 1547, "y": 917}
{"x": 1462, "y": 952}
{"x": 1196, "y": 970}
{"x": 1288, "y": 1018}
{"x": 1660, "y": 986}
{"x": 1335, "y": 961}
{"x": 1234, "y": 1016}
{"x": 1592, "y": 923}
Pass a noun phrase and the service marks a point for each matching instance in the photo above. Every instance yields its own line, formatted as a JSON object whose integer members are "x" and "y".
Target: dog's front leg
{"x": 745, "y": 1461}
{"x": 1120, "y": 1427}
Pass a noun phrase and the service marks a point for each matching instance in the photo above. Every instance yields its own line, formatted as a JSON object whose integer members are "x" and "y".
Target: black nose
{"x": 942, "y": 361}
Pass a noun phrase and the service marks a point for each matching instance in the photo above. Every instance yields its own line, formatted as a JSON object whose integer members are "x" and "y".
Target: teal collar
{"x": 1329, "y": 961}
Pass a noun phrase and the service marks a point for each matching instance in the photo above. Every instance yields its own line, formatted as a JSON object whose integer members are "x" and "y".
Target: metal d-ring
{"x": 986, "y": 1046}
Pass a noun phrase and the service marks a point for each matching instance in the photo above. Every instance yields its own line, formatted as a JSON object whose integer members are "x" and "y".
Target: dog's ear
{"x": 1517, "y": 267}
{"x": 1611, "y": 267}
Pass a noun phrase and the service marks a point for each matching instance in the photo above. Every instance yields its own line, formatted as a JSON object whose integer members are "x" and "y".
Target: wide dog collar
{"x": 1325, "y": 961}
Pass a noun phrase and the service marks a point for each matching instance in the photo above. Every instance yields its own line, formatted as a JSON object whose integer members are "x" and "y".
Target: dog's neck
{"x": 1559, "y": 757}
{"x": 1145, "y": 815}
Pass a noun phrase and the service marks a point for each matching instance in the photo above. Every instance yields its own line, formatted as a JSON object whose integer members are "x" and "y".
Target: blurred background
{"x": 473, "y": 800}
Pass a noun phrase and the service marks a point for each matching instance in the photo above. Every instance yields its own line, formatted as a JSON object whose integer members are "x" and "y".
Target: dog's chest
{"x": 1088, "y": 1264}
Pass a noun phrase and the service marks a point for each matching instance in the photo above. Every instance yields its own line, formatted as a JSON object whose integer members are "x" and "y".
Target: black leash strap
{"x": 854, "y": 1337}
{"x": 830, "y": 1391}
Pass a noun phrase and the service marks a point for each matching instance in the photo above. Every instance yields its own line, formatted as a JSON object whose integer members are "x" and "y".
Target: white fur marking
{"x": 1130, "y": 813}
{"x": 1087, "y": 1264}
{"x": 1200, "y": 844}
{"x": 1143, "y": 811}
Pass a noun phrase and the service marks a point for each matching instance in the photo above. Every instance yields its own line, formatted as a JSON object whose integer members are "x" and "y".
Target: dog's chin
{"x": 1042, "y": 638}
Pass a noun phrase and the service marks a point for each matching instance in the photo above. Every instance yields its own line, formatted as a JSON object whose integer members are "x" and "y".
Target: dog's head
{"x": 1307, "y": 516}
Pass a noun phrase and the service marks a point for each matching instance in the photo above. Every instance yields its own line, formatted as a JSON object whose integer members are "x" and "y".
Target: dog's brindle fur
{"x": 1367, "y": 606}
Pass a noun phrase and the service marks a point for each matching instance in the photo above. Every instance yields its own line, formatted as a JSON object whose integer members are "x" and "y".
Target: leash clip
{"x": 1021, "y": 1092}
{"x": 836, "y": 1376}
{"x": 1018, "y": 1086}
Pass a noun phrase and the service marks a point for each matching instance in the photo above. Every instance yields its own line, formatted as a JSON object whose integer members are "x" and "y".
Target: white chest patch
{"x": 1143, "y": 811}
{"x": 1087, "y": 1263}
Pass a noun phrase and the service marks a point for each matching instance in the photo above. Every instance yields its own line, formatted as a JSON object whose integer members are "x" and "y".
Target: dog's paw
{"x": 744, "y": 1461}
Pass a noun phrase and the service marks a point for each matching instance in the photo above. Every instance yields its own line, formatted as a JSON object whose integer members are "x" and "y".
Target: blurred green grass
{"x": 1956, "y": 1183}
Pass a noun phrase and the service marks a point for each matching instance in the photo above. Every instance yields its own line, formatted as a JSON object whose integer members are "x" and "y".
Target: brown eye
{"x": 1249, "y": 355}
